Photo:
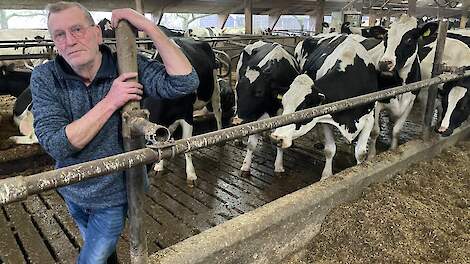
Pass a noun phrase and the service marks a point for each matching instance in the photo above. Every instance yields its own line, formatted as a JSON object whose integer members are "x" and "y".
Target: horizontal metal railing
{"x": 20, "y": 187}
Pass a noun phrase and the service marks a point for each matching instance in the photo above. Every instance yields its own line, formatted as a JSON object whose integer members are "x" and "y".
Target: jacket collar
{"x": 108, "y": 67}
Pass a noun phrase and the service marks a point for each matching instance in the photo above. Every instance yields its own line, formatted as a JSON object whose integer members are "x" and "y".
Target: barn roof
{"x": 260, "y": 7}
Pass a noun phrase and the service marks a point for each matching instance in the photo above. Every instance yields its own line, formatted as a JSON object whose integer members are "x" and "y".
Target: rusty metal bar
{"x": 231, "y": 133}
{"x": 131, "y": 117}
{"x": 436, "y": 70}
{"x": 18, "y": 188}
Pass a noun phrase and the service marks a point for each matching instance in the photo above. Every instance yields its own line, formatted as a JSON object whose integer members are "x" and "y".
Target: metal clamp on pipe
{"x": 139, "y": 125}
{"x": 13, "y": 189}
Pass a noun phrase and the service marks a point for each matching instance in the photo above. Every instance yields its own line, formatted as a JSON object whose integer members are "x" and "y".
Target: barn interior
{"x": 40, "y": 230}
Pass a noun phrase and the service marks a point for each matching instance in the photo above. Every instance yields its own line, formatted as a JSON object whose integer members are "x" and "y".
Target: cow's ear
{"x": 428, "y": 29}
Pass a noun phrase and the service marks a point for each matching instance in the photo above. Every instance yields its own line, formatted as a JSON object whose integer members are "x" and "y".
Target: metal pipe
{"x": 436, "y": 70}
{"x": 15, "y": 189}
{"x": 136, "y": 175}
{"x": 20, "y": 187}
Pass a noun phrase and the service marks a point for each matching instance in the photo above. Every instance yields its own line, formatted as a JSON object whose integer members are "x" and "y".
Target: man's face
{"x": 75, "y": 39}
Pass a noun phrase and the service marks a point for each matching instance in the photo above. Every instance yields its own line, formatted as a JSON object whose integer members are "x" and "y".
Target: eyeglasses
{"x": 77, "y": 31}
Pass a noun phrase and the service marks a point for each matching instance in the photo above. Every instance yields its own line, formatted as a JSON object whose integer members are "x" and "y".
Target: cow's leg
{"x": 399, "y": 124}
{"x": 190, "y": 171}
{"x": 251, "y": 146}
{"x": 215, "y": 101}
{"x": 361, "y": 144}
{"x": 330, "y": 151}
{"x": 279, "y": 163}
{"x": 375, "y": 131}
{"x": 25, "y": 126}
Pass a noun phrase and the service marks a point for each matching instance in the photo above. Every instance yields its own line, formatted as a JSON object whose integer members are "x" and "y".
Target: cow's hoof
{"x": 279, "y": 174}
{"x": 190, "y": 183}
{"x": 245, "y": 174}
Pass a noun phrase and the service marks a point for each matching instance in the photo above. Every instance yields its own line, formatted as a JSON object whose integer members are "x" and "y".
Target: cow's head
{"x": 106, "y": 29}
{"x": 257, "y": 91}
{"x": 345, "y": 28}
{"x": 264, "y": 73}
{"x": 301, "y": 95}
{"x": 456, "y": 108}
{"x": 377, "y": 32}
{"x": 401, "y": 43}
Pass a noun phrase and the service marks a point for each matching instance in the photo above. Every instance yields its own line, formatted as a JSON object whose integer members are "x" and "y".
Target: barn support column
{"x": 463, "y": 21}
{"x": 317, "y": 19}
{"x": 273, "y": 19}
{"x": 372, "y": 20}
{"x": 222, "y": 19}
{"x": 135, "y": 177}
{"x": 412, "y": 8}
{"x": 248, "y": 16}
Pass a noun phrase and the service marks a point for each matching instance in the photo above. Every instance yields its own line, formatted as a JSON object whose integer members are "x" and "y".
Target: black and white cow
{"x": 16, "y": 83}
{"x": 407, "y": 42}
{"x": 264, "y": 73}
{"x": 179, "y": 112}
{"x": 203, "y": 32}
{"x": 106, "y": 29}
{"x": 406, "y": 70}
{"x": 335, "y": 67}
{"x": 13, "y": 82}
{"x": 455, "y": 105}
{"x": 377, "y": 32}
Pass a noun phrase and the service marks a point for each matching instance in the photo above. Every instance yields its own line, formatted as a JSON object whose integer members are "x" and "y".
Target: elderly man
{"x": 76, "y": 102}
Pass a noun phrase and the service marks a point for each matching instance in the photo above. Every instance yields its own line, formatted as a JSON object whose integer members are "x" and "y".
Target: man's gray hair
{"x": 60, "y": 6}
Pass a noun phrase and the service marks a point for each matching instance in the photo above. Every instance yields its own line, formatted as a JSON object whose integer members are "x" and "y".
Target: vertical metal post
{"x": 436, "y": 70}
{"x": 135, "y": 177}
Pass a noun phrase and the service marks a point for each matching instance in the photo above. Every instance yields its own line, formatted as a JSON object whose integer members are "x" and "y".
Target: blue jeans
{"x": 100, "y": 230}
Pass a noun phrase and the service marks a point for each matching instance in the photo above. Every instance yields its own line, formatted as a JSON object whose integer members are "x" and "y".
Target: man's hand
{"x": 121, "y": 91}
{"x": 134, "y": 17}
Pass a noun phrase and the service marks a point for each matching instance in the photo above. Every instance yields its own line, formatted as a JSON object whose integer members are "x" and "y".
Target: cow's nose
{"x": 276, "y": 140}
{"x": 385, "y": 65}
{"x": 236, "y": 121}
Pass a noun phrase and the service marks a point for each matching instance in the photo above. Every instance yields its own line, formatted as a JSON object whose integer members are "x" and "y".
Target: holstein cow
{"x": 377, "y": 32}
{"x": 203, "y": 32}
{"x": 179, "y": 112}
{"x": 404, "y": 64}
{"x": 335, "y": 67}
{"x": 407, "y": 42}
{"x": 264, "y": 73}
{"x": 16, "y": 83}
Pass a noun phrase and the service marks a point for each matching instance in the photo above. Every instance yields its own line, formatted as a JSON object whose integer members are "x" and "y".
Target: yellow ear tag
{"x": 279, "y": 96}
{"x": 427, "y": 33}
